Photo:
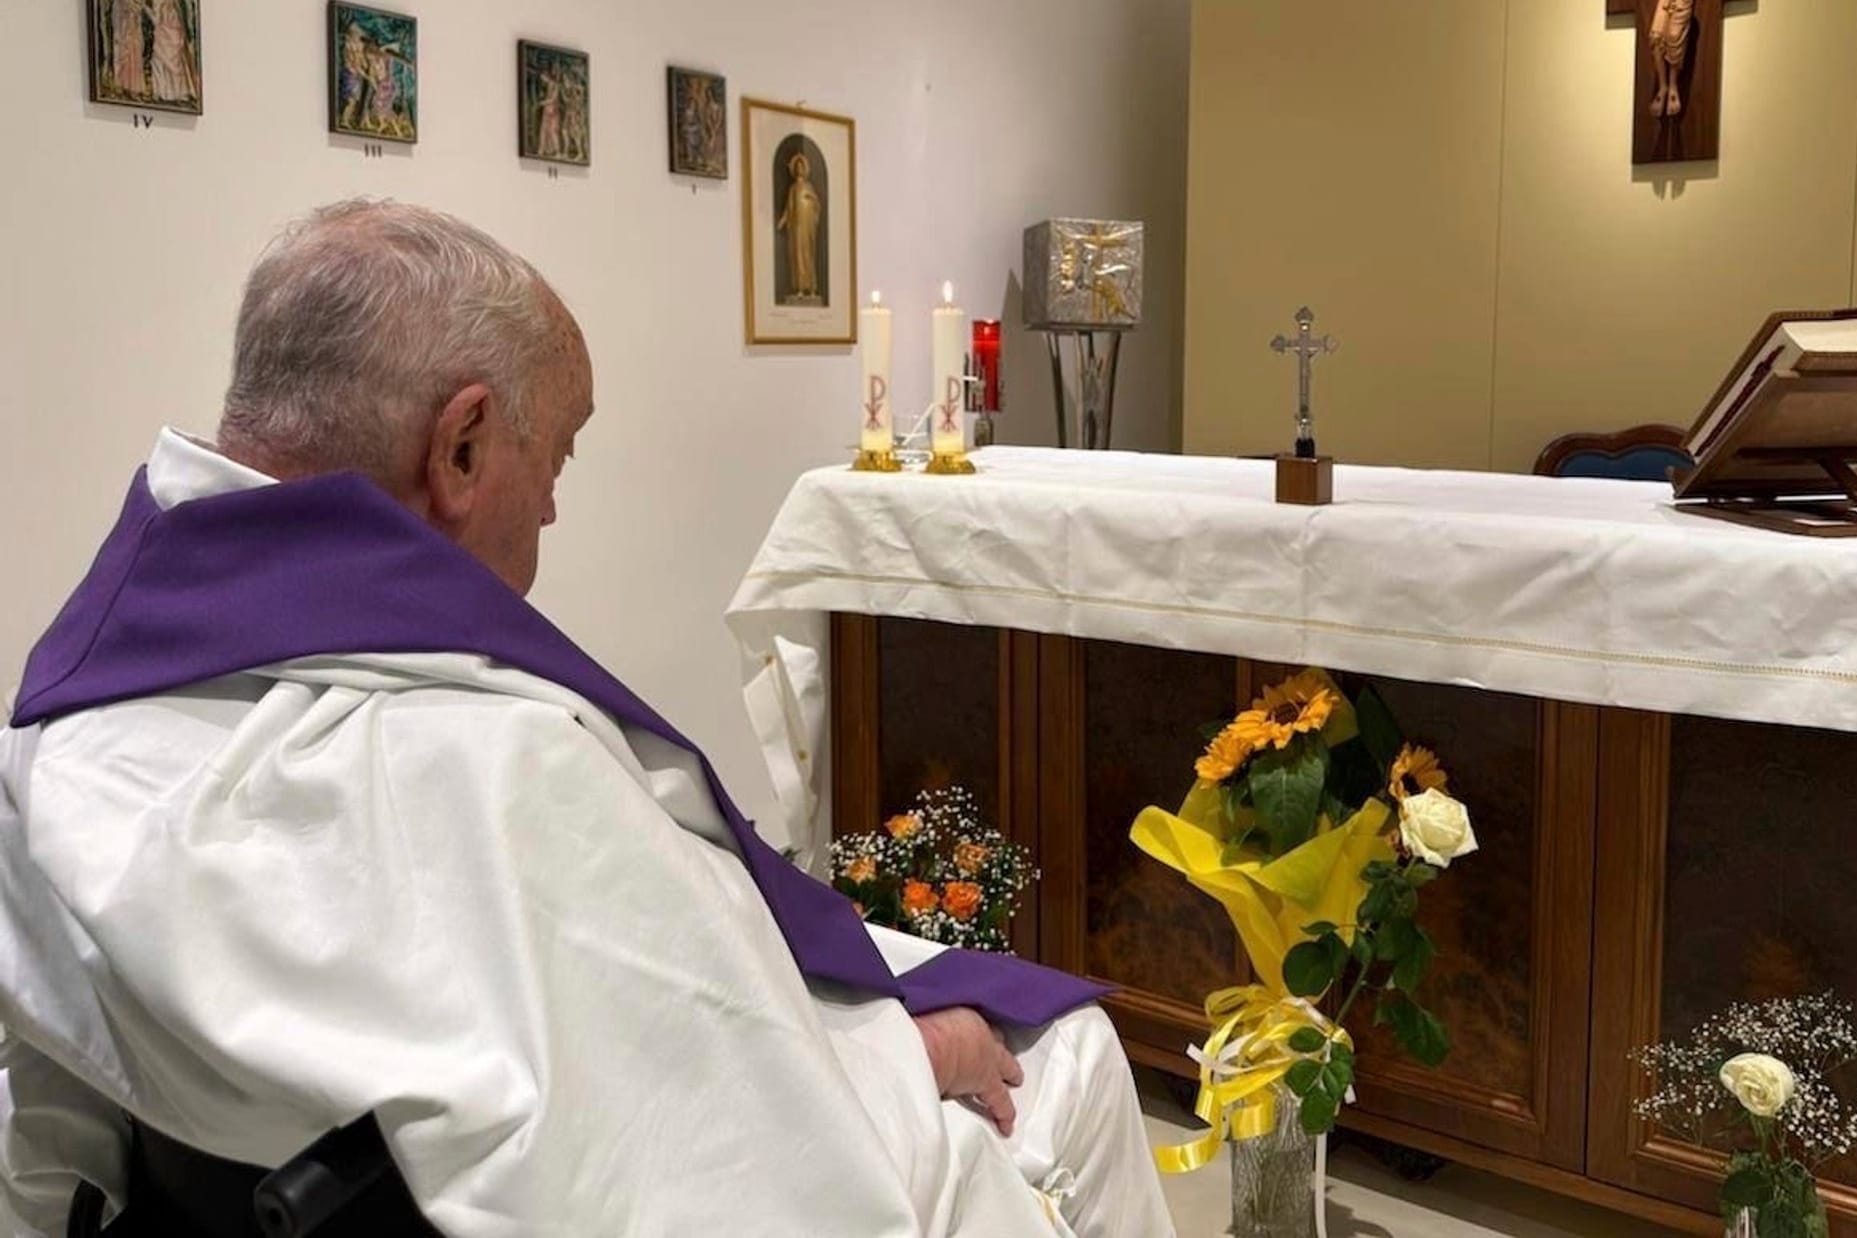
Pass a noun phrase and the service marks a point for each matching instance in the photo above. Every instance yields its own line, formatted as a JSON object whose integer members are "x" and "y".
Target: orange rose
{"x": 919, "y": 898}
{"x": 862, "y": 869}
{"x": 960, "y": 899}
{"x": 968, "y": 857}
{"x": 903, "y": 825}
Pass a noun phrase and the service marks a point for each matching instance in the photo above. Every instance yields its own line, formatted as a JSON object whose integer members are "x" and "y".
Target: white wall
{"x": 123, "y": 250}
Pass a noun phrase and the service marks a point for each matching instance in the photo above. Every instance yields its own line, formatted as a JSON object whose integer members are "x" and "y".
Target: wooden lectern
{"x": 1776, "y": 444}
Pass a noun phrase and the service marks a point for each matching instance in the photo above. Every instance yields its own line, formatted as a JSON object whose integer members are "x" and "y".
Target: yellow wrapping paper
{"x": 1269, "y": 901}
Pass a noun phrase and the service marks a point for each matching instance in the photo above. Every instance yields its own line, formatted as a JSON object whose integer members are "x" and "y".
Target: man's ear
{"x": 455, "y": 456}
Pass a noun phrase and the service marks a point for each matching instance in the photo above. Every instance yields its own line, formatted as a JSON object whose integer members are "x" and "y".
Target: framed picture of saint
{"x": 553, "y": 104}
{"x": 373, "y": 73}
{"x": 146, "y": 54}
{"x": 699, "y": 123}
{"x": 799, "y": 224}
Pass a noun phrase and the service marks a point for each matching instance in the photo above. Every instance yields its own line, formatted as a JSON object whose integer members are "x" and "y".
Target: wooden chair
{"x": 1642, "y": 453}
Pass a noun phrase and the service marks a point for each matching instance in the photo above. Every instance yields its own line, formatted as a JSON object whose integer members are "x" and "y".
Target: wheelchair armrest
{"x": 300, "y": 1195}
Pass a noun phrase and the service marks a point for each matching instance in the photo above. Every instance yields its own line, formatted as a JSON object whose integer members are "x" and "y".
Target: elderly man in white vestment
{"x": 455, "y": 894}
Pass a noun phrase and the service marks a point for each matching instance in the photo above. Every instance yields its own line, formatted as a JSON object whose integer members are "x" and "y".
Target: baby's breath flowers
{"x": 1758, "y": 1081}
{"x": 938, "y": 871}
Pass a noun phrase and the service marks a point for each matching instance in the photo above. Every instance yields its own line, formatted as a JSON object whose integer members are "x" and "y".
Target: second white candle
{"x": 948, "y": 424}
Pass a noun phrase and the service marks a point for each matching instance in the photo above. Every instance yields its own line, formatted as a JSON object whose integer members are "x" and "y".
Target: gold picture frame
{"x": 799, "y": 225}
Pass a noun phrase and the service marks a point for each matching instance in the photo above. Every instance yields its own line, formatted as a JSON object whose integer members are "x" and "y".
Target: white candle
{"x": 948, "y": 437}
{"x": 874, "y": 345}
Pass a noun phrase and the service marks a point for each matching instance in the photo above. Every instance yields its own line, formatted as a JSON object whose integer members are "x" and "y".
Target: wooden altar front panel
{"x": 1598, "y": 828}
{"x": 1067, "y": 740}
{"x": 1724, "y": 871}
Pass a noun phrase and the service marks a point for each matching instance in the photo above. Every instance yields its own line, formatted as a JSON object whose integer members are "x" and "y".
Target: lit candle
{"x": 948, "y": 424}
{"x": 874, "y": 345}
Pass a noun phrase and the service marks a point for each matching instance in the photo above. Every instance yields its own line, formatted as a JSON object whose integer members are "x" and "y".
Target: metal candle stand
{"x": 1085, "y": 407}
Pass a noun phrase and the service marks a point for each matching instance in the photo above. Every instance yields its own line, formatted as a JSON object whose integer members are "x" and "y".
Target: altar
{"x": 1650, "y": 716}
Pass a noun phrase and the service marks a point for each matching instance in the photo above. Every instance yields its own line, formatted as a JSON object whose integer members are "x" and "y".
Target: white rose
{"x": 1435, "y": 827}
{"x": 1763, "y": 1085}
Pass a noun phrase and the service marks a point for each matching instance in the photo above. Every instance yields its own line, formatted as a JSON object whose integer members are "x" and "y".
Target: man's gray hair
{"x": 362, "y": 319}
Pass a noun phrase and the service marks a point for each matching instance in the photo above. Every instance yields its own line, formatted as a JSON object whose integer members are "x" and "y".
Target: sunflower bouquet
{"x": 1316, "y": 826}
{"x": 938, "y": 872}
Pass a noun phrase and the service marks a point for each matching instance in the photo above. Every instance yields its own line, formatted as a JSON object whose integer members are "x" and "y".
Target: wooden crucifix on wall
{"x": 1676, "y": 99}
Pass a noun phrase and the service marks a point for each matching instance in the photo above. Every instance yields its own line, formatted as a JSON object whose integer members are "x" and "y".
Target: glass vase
{"x": 1741, "y": 1225}
{"x": 1273, "y": 1178}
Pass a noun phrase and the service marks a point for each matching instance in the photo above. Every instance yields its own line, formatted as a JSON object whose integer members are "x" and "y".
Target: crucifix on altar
{"x": 1676, "y": 100}
{"x": 1305, "y": 477}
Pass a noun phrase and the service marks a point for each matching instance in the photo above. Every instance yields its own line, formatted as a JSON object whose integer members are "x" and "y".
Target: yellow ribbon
{"x": 1246, "y": 1054}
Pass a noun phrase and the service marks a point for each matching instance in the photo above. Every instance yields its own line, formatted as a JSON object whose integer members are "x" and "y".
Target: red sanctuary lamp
{"x": 984, "y": 392}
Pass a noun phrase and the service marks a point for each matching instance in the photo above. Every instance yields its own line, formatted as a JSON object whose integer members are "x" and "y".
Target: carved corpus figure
{"x": 1669, "y": 47}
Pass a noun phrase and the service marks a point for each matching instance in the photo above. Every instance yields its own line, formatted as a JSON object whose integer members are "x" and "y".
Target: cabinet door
{"x": 1725, "y": 873}
{"x": 1120, "y": 730}
{"x": 923, "y": 706}
{"x": 1512, "y": 923}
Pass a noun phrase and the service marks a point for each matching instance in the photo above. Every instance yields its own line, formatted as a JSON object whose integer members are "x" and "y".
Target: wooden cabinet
{"x": 1636, "y": 871}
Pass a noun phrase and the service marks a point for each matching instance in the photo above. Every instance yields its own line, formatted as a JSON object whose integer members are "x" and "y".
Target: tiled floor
{"x": 1365, "y": 1200}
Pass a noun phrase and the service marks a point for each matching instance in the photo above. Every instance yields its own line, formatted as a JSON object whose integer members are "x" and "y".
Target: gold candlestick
{"x": 949, "y": 464}
{"x": 876, "y": 462}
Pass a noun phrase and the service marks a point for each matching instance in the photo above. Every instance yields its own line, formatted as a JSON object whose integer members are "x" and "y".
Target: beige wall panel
{"x": 1346, "y": 155}
{"x": 1625, "y": 293}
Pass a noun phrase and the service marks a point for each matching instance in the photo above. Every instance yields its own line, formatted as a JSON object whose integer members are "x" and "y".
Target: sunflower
{"x": 1415, "y": 770}
{"x": 1286, "y": 710}
{"x": 1224, "y": 756}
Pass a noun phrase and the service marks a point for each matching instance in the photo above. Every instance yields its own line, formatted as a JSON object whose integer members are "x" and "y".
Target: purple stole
{"x": 332, "y": 565}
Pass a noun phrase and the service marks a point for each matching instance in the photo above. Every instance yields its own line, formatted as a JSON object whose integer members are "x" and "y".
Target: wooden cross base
{"x": 1308, "y": 481}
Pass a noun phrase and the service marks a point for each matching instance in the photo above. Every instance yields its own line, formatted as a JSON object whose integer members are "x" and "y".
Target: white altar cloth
{"x": 1572, "y": 589}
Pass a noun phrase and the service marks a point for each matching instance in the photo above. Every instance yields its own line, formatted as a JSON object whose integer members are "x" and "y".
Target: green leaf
{"x": 1777, "y": 1219}
{"x": 1382, "y": 897}
{"x": 1417, "y": 1029}
{"x": 1395, "y": 939}
{"x": 1338, "y": 1078}
{"x": 1421, "y": 875}
{"x": 1307, "y": 1040}
{"x": 1286, "y": 791}
{"x": 1409, "y": 971}
{"x": 1303, "y": 1076}
{"x": 1353, "y": 778}
{"x": 1362, "y": 948}
{"x": 1379, "y": 870}
{"x": 1341, "y": 1053}
{"x": 1379, "y": 731}
{"x": 1745, "y": 1187}
{"x": 1307, "y": 970}
{"x": 1318, "y": 1113}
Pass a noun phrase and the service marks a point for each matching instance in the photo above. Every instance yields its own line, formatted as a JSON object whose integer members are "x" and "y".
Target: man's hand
{"x": 971, "y": 1062}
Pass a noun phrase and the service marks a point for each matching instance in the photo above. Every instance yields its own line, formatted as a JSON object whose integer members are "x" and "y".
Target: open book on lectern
{"x": 1775, "y": 445}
